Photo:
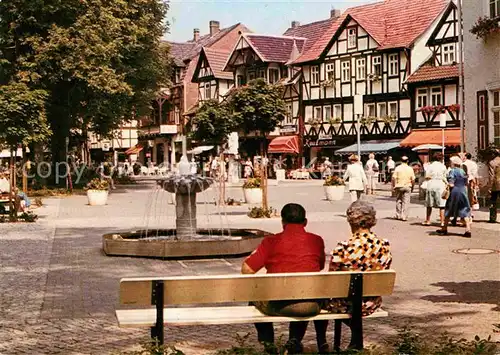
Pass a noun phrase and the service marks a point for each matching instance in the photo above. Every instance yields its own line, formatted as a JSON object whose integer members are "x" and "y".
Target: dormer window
{"x": 352, "y": 34}
{"x": 274, "y": 76}
{"x": 448, "y": 54}
{"x": 494, "y": 8}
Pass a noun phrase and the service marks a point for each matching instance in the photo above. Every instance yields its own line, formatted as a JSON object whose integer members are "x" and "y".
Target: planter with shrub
{"x": 334, "y": 188}
{"x": 97, "y": 192}
{"x": 252, "y": 191}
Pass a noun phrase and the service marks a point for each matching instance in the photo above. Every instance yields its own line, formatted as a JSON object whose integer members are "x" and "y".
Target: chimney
{"x": 335, "y": 13}
{"x": 295, "y": 24}
{"x": 214, "y": 27}
{"x": 196, "y": 34}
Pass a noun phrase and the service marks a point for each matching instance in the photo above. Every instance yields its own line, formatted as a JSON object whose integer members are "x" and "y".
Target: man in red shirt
{"x": 293, "y": 250}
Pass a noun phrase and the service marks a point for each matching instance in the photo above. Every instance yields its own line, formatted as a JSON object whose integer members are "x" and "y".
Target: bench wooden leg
{"x": 356, "y": 296}
{"x": 157, "y": 295}
{"x": 337, "y": 335}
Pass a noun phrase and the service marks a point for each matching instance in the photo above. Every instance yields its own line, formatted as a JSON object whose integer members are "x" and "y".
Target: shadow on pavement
{"x": 485, "y": 291}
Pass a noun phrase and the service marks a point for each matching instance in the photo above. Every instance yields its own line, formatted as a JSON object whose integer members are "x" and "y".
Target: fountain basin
{"x": 207, "y": 243}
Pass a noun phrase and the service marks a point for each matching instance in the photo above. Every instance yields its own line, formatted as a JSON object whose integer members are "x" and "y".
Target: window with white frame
{"x": 289, "y": 114}
{"x": 177, "y": 115}
{"x": 370, "y": 110}
{"x": 436, "y": 96}
{"x": 352, "y": 37}
{"x": 393, "y": 109}
{"x": 422, "y": 95}
{"x": 448, "y": 54}
{"x": 382, "y": 109}
{"x": 274, "y": 76}
{"x": 377, "y": 66}
{"x": 315, "y": 75}
{"x": 494, "y": 8}
{"x": 346, "y": 71}
{"x": 317, "y": 113}
{"x": 496, "y": 117}
{"x": 360, "y": 69}
{"x": 330, "y": 71}
{"x": 327, "y": 112}
{"x": 208, "y": 91}
{"x": 393, "y": 65}
{"x": 337, "y": 111}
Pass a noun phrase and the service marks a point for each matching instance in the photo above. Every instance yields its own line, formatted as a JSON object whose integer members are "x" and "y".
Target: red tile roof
{"x": 312, "y": 31}
{"x": 392, "y": 23}
{"x": 190, "y": 49}
{"x": 275, "y": 49}
{"x": 217, "y": 59}
{"x": 429, "y": 73}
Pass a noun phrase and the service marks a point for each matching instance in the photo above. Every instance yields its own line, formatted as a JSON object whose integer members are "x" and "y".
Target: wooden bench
{"x": 192, "y": 291}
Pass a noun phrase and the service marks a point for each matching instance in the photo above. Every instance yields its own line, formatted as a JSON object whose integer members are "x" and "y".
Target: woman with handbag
{"x": 457, "y": 204}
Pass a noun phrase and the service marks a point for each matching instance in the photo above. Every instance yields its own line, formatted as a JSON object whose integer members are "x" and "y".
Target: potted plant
{"x": 252, "y": 191}
{"x": 97, "y": 192}
{"x": 486, "y": 26}
{"x": 334, "y": 188}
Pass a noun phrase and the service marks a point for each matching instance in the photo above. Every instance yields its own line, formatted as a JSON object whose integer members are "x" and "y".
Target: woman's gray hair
{"x": 361, "y": 214}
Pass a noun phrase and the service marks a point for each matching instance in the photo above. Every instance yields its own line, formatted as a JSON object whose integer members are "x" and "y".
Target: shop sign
{"x": 324, "y": 137}
{"x": 288, "y": 129}
{"x": 321, "y": 143}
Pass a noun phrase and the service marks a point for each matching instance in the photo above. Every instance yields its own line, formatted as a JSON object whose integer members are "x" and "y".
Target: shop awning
{"x": 370, "y": 147}
{"x": 134, "y": 150}
{"x": 434, "y": 136}
{"x": 284, "y": 144}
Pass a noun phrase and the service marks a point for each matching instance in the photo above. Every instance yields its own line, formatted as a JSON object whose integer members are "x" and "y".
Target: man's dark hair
{"x": 468, "y": 155}
{"x": 438, "y": 156}
{"x": 293, "y": 213}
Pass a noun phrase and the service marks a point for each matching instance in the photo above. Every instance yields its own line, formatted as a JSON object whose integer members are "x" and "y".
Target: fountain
{"x": 186, "y": 240}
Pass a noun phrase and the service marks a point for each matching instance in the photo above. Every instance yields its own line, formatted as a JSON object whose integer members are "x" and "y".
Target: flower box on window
{"x": 367, "y": 120}
{"x": 335, "y": 120}
{"x": 454, "y": 108}
{"x": 485, "y": 26}
{"x": 388, "y": 119}
{"x": 373, "y": 77}
{"x": 327, "y": 83}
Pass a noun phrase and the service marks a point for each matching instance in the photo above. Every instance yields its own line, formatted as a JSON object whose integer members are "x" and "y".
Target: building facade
{"x": 162, "y": 134}
{"x": 482, "y": 73}
{"x": 370, "y": 50}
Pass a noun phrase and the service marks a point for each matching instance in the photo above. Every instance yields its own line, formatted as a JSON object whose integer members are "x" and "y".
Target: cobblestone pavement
{"x": 59, "y": 291}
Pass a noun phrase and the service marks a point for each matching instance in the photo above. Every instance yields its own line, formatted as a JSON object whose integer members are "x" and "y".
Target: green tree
{"x": 101, "y": 61}
{"x": 212, "y": 124}
{"x": 22, "y": 121}
{"x": 259, "y": 107}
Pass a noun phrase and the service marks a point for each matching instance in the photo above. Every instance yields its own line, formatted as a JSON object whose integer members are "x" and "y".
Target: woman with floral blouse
{"x": 364, "y": 251}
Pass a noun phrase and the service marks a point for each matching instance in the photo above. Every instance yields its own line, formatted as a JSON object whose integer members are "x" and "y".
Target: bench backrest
{"x": 260, "y": 287}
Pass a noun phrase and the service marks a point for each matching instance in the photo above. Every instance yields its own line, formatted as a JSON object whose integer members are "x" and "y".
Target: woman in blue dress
{"x": 457, "y": 205}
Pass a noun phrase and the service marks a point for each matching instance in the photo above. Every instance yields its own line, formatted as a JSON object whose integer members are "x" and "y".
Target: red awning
{"x": 434, "y": 136}
{"x": 134, "y": 150}
{"x": 284, "y": 144}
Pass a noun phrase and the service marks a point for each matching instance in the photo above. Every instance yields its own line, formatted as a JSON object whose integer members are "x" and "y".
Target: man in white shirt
{"x": 371, "y": 173}
{"x": 356, "y": 177}
{"x": 391, "y": 165}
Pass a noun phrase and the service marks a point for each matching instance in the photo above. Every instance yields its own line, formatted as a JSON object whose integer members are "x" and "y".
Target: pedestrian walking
{"x": 471, "y": 169}
{"x": 435, "y": 180}
{"x": 403, "y": 180}
{"x": 494, "y": 185}
{"x": 371, "y": 168}
{"x": 327, "y": 168}
{"x": 457, "y": 204}
{"x": 356, "y": 177}
{"x": 391, "y": 165}
{"x": 248, "y": 170}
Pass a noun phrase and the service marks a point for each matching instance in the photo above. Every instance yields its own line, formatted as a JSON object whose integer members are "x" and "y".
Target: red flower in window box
{"x": 454, "y": 108}
{"x": 486, "y": 26}
{"x": 427, "y": 109}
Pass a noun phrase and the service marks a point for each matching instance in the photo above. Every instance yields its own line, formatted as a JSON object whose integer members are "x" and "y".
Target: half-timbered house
{"x": 370, "y": 50}
{"x": 162, "y": 133}
{"x": 434, "y": 85}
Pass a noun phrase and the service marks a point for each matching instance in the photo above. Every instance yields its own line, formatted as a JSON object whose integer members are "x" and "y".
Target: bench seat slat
{"x": 134, "y": 318}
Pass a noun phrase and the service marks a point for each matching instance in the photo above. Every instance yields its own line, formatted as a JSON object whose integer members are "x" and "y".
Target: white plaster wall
{"x": 404, "y": 108}
{"x": 393, "y": 85}
{"x": 348, "y": 112}
{"x": 315, "y": 93}
{"x": 308, "y": 113}
{"x": 481, "y": 71}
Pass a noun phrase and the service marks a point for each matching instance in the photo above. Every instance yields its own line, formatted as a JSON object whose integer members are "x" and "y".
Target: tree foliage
{"x": 213, "y": 123}
{"x": 100, "y": 61}
{"x": 258, "y": 106}
{"x": 22, "y": 115}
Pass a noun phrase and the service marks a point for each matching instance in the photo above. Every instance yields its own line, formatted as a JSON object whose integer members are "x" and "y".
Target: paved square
{"x": 59, "y": 291}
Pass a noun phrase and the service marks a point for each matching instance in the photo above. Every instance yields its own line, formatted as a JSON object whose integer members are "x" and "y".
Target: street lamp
{"x": 358, "y": 111}
{"x": 442, "y": 124}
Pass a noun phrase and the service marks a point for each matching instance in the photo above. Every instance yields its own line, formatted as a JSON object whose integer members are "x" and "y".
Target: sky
{"x": 265, "y": 17}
